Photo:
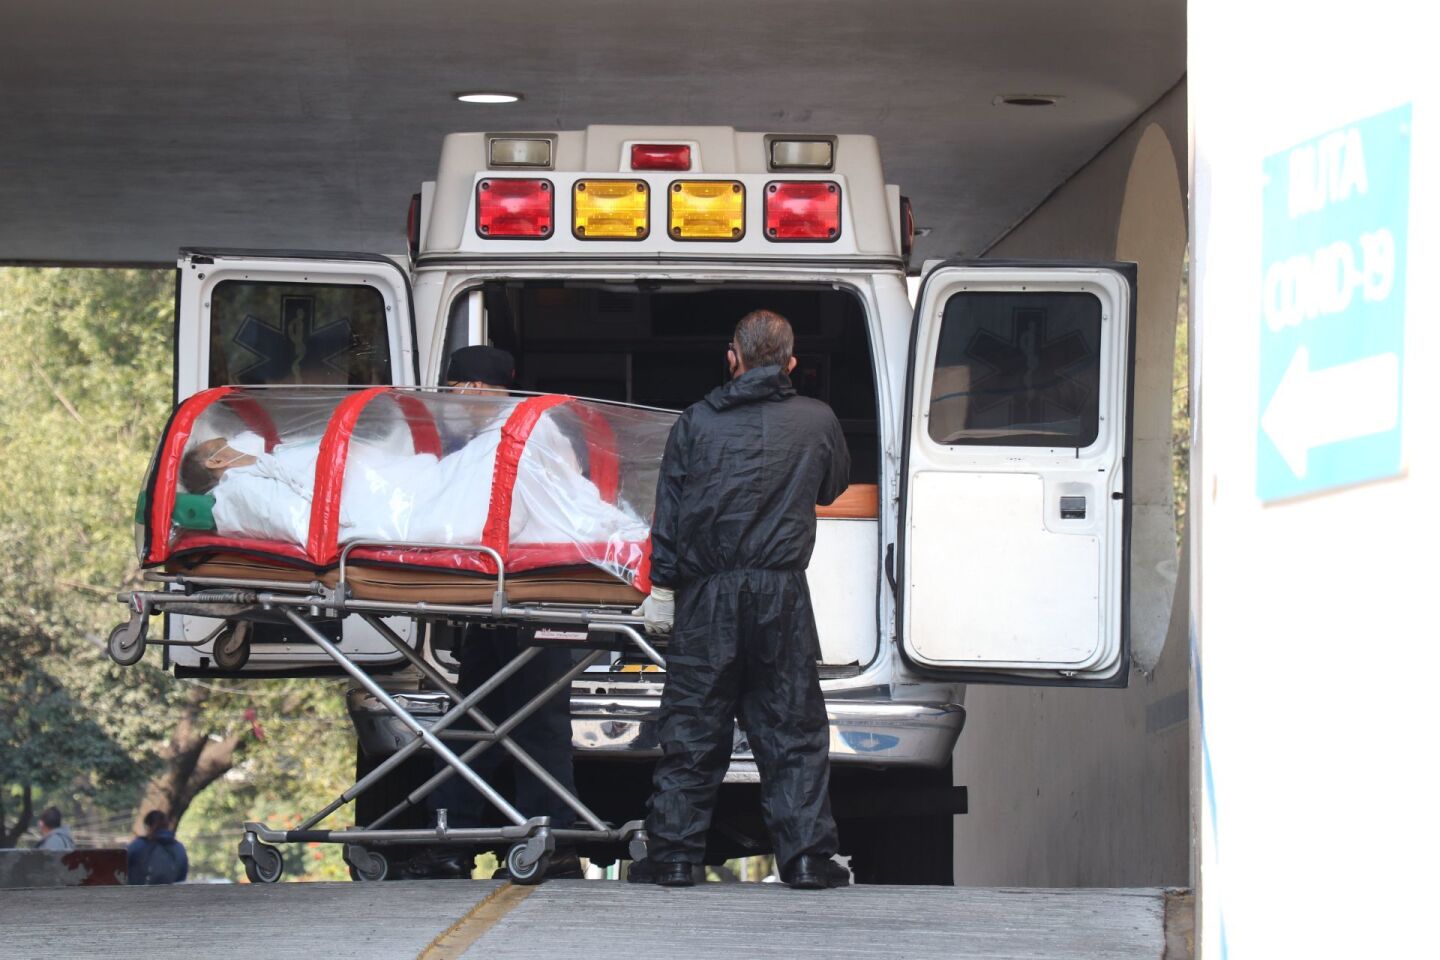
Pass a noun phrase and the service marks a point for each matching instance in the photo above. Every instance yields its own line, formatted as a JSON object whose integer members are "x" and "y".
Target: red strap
{"x": 196, "y": 541}
{"x": 603, "y": 457}
{"x": 168, "y": 468}
{"x": 254, "y": 416}
{"x": 323, "y": 544}
{"x": 642, "y": 572}
{"x": 513, "y": 437}
{"x": 421, "y": 422}
{"x": 626, "y": 555}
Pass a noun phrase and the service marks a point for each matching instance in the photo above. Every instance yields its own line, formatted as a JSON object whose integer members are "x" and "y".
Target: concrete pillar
{"x": 1316, "y": 143}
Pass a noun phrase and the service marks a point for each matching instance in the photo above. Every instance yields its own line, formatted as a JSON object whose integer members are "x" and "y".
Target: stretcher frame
{"x": 530, "y": 840}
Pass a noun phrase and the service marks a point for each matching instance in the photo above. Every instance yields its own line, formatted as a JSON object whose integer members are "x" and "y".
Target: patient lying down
{"x": 412, "y": 497}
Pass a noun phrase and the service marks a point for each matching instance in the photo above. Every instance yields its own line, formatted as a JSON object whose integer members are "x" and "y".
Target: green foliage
{"x": 306, "y": 760}
{"x": 1180, "y": 407}
{"x": 83, "y": 395}
{"x": 81, "y": 398}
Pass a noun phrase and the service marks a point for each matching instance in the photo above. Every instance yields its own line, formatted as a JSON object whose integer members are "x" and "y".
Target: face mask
{"x": 248, "y": 443}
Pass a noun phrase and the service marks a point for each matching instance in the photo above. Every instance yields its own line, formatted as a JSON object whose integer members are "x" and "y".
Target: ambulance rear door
{"x": 1013, "y": 555}
{"x": 257, "y": 317}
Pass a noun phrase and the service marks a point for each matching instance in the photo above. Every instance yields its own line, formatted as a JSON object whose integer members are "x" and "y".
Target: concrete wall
{"x": 1316, "y": 491}
{"x": 1091, "y": 787}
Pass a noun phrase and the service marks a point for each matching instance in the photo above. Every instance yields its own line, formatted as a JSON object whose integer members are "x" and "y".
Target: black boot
{"x": 564, "y": 865}
{"x": 676, "y": 874}
{"x": 812, "y": 872}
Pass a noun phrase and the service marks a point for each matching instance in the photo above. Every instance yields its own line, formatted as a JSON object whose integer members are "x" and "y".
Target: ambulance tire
{"x": 391, "y": 790}
{"x": 909, "y": 851}
{"x": 889, "y": 841}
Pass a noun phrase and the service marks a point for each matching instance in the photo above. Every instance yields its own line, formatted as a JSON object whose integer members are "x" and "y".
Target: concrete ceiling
{"x": 129, "y": 129}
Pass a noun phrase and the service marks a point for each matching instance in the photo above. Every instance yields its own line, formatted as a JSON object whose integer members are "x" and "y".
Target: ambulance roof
{"x": 490, "y": 170}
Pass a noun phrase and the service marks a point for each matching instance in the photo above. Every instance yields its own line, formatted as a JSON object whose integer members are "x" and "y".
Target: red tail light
{"x": 802, "y": 210}
{"x": 659, "y": 156}
{"x": 412, "y": 226}
{"x": 515, "y": 209}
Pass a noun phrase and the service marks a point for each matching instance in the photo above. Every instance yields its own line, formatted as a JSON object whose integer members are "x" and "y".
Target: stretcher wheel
{"x": 123, "y": 649}
{"x": 366, "y": 865}
{"x": 264, "y": 865}
{"x": 231, "y": 650}
{"x": 523, "y": 870}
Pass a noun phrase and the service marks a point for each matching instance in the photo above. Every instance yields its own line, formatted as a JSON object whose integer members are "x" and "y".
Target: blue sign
{"x": 1332, "y": 319}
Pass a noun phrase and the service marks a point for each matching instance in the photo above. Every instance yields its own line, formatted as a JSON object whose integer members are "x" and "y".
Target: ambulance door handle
{"x": 890, "y": 566}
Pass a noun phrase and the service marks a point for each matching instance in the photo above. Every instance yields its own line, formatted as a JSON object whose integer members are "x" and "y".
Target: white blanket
{"x": 413, "y": 497}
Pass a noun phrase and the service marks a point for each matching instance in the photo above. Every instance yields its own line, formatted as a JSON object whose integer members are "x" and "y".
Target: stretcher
{"x": 577, "y": 566}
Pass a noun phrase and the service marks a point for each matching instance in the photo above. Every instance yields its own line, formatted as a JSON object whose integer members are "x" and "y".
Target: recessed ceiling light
{"x": 1027, "y": 99}
{"x": 487, "y": 96}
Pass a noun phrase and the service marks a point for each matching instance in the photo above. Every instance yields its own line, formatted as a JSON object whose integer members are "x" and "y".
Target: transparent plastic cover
{"x": 298, "y": 473}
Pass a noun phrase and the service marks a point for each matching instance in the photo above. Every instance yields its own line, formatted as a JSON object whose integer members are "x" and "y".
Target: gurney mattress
{"x": 587, "y": 584}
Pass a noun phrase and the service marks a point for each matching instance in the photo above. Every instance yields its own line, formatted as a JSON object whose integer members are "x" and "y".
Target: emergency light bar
{"x": 707, "y": 210}
{"x": 802, "y": 210}
{"x": 660, "y": 156}
{"x": 514, "y": 209}
{"x": 611, "y": 209}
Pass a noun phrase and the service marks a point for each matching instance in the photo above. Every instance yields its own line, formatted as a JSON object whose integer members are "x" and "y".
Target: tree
{"x": 307, "y": 758}
{"x": 82, "y": 400}
{"x": 81, "y": 404}
{"x": 195, "y": 757}
{"x": 48, "y": 740}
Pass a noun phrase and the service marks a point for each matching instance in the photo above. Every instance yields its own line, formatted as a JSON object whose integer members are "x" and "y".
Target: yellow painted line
{"x": 477, "y": 920}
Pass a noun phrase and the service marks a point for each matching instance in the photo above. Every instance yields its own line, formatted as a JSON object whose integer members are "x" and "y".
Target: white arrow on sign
{"x": 1311, "y": 408}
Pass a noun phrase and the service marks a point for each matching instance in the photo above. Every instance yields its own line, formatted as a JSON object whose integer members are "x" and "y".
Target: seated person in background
{"x": 156, "y": 856}
{"x": 546, "y": 734}
{"x": 53, "y": 836}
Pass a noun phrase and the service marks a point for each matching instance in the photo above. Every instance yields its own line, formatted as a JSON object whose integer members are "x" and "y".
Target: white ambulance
{"x": 985, "y": 536}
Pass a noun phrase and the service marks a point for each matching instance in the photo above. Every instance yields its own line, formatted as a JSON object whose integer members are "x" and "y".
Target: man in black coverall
{"x": 734, "y": 529}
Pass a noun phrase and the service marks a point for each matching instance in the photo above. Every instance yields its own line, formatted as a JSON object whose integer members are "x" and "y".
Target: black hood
{"x": 762, "y": 383}
{"x": 743, "y": 471}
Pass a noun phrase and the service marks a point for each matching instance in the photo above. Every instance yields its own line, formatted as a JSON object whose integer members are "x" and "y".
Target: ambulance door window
{"x": 274, "y": 333}
{"x": 1017, "y": 369}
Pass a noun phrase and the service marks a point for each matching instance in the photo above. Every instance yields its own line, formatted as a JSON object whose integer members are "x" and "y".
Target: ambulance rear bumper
{"x": 868, "y": 732}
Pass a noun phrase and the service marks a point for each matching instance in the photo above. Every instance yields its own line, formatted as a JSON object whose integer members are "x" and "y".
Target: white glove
{"x": 658, "y": 611}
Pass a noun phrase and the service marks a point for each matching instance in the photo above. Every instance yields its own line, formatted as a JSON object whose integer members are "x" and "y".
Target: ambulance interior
{"x": 663, "y": 344}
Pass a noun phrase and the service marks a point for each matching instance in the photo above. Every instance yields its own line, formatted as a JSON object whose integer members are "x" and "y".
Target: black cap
{"x": 481, "y": 365}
